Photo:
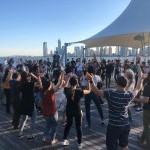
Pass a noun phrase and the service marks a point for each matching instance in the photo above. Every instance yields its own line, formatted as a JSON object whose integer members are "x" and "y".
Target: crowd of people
{"x": 50, "y": 88}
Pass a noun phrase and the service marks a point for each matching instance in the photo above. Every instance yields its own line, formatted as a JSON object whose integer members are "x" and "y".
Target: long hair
{"x": 24, "y": 77}
{"x": 46, "y": 85}
{"x": 129, "y": 74}
{"x": 73, "y": 82}
{"x": 56, "y": 77}
{"x": 5, "y": 74}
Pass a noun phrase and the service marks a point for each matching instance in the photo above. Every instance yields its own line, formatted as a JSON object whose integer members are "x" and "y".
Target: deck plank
{"x": 93, "y": 139}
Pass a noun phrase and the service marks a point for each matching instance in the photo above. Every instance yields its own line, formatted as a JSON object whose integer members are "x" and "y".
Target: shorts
{"x": 115, "y": 134}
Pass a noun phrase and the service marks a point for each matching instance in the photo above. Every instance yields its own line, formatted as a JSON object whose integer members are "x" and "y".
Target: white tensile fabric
{"x": 130, "y": 29}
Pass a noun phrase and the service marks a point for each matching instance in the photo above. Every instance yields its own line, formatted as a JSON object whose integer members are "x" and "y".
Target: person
{"x": 27, "y": 106}
{"x": 49, "y": 110}
{"x": 117, "y": 70}
{"x": 118, "y": 103}
{"x": 95, "y": 98}
{"x": 6, "y": 86}
{"x": 108, "y": 68}
{"x": 146, "y": 113}
{"x": 73, "y": 110}
{"x": 83, "y": 82}
{"x": 129, "y": 74}
{"x": 79, "y": 68}
{"x": 56, "y": 57}
{"x": 60, "y": 98}
{"x": 1, "y": 84}
{"x": 15, "y": 98}
{"x": 137, "y": 105}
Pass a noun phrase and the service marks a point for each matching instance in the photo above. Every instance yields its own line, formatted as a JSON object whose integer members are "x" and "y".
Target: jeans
{"x": 146, "y": 125}
{"x": 51, "y": 122}
{"x": 78, "y": 122}
{"x": 96, "y": 100}
{"x": 32, "y": 122}
{"x": 116, "y": 75}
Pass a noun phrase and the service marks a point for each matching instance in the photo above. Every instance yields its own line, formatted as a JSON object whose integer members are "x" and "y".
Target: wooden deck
{"x": 92, "y": 139}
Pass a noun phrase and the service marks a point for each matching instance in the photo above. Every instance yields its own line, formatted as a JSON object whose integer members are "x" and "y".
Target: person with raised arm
{"x": 118, "y": 103}
{"x": 49, "y": 110}
{"x": 27, "y": 105}
{"x": 60, "y": 98}
{"x": 73, "y": 110}
{"x": 145, "y": 99}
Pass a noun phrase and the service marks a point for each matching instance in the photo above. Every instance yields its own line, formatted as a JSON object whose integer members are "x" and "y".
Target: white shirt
{"x": 79, "y": 66}
{"x": 96, "y": 79}
{"x": 83, "y": 81}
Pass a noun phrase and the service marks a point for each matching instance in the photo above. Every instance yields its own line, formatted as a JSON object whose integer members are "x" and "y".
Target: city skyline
{"x": 25, "y": 25}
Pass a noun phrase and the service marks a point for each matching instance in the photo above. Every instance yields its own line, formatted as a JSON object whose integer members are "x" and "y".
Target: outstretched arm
{"x": 88, "y": 89}
{"x": 144, "y": 99}
{"x": 93, "y": 87}
{"x": 65, "y": 84}
{"x": 60, "y": 82}
{"x": 139, "y": 84}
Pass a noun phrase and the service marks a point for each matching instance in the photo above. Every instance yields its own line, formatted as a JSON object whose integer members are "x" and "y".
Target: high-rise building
{"x": 77, "y": 51}
{"x": 123, "y": 51}
{"x": 59, "y": 47}
{"x": 97, "y": 51}
{"x": 110, "y": 50}
{"x": 102, "y": 51}
{"x": 106, "y": 51}
{"x": 45, "y": 49}
{"x": 134, "y": 51}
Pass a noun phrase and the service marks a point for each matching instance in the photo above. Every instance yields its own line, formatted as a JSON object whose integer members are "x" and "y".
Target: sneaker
{"x": 32, "y": 138}
{"x": 21, "y": 135}
{"x": 65, "y": 143}
{"x": 44, "y": 139}
{"x": 79, "y": 145}
{"x": 138, "y": 109}
{"x": 53, "y": 142}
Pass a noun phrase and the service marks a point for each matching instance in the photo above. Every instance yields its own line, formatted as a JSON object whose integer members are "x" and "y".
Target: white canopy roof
{"x": 130, "y": 29}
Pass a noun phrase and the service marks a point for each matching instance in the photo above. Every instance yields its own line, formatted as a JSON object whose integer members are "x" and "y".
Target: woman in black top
{"x": 73, "y": 110}
{"x": 27, "y": 106}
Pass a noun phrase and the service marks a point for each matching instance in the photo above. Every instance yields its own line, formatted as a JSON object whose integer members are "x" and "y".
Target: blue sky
{"x": 26, "y": 24}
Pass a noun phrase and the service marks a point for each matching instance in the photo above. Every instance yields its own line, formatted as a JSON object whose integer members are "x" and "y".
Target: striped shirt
{"x": 118, "y": 103}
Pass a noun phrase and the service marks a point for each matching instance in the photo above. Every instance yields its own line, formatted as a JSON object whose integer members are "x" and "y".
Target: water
{"x": 17, "y": 58}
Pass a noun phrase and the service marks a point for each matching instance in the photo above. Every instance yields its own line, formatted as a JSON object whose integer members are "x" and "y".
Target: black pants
{"x": 108, "y": 78}
{"x": 78, "y": 123}
{"x": 96, "y": 100}
{"x": 8, "y": 100}
{"x": 16, "y": 116}
{"x": 116, "y": 75}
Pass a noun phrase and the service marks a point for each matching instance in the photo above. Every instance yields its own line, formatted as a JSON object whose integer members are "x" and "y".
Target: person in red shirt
{"x": 49, "y": 108}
